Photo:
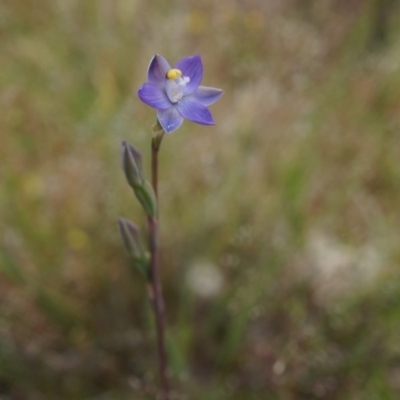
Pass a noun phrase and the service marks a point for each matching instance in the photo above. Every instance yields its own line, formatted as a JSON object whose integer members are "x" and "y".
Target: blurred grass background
{"x": 279, "y": 226}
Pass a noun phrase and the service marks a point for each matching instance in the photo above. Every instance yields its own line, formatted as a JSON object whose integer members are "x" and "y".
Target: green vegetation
{"x": 279, "y": 226}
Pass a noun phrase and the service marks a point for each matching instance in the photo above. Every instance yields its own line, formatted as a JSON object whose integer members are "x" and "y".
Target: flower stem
{"x": 155, "y": 291}
{"x": 155, "y": 147}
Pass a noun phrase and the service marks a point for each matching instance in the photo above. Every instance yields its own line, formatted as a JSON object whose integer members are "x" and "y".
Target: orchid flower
{"x": 176, "y": 92}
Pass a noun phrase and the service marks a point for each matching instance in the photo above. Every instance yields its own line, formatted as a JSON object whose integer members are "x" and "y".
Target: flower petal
{"x": 207, "y": 95}
{"x": 195, "y": 111}
{"x": 154, "y": 96}
{"x": 191, "y": 67}
{"x": 169, "y": 119}
{"x": 158, "y": 69}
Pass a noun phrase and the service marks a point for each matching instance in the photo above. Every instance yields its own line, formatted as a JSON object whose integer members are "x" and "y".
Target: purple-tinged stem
{"x": 155, "y": 147}
{"x": 155, "y": 291}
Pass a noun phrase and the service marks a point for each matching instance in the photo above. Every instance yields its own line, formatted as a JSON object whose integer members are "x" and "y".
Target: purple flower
{"x": 176, "y": 92}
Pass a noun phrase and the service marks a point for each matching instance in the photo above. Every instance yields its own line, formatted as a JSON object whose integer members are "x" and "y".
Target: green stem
{"x": 155, "y": 147}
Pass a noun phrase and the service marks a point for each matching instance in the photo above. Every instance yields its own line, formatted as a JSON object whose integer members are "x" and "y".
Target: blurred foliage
{"x": 280, "y": 241}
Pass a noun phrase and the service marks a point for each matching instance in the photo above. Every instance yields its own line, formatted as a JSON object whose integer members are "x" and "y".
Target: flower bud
{"x": 131, "y": 160}
{"x": 130, "y": 235}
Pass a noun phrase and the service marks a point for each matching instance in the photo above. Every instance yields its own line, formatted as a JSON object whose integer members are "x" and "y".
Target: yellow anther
{"x": 174, "y": 74}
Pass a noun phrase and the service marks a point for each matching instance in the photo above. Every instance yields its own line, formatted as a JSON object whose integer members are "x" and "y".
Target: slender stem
{"x": 155, "y": 291}
{"x": 155, "y": 147}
